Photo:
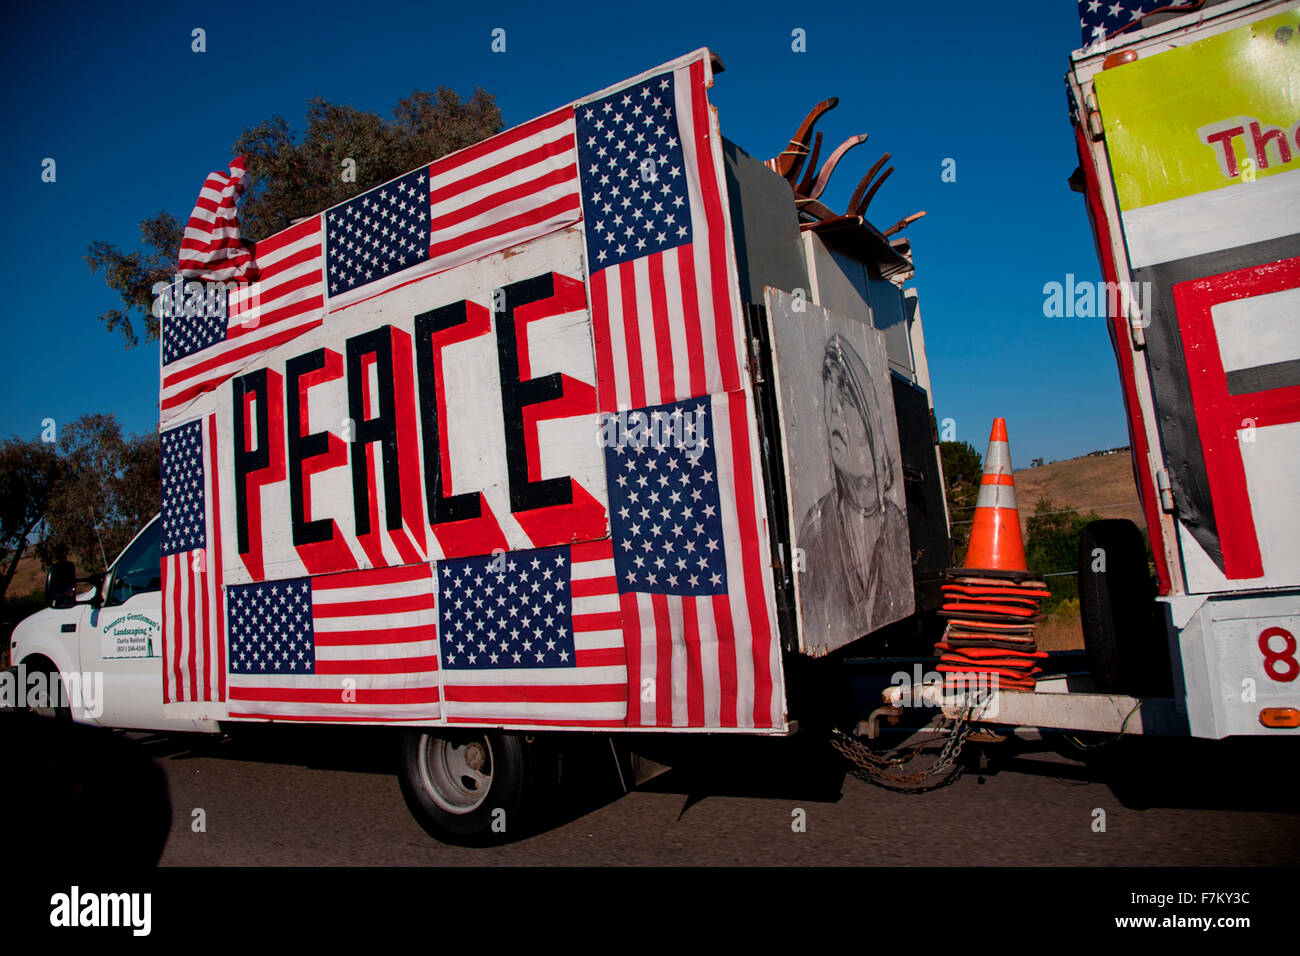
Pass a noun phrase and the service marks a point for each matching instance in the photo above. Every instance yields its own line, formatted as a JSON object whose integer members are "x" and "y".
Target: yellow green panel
{"x": 1162, "y": 113}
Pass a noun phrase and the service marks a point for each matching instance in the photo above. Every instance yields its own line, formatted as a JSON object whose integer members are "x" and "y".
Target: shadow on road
{"x": 1239, "y": 773}
{"x": 799, "y": 767}
{"x": 347, "y": 749}
{"x": 1250, "y": 774}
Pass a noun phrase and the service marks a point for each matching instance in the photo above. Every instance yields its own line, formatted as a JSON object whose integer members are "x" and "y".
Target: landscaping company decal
{"x": 131, "y": 635}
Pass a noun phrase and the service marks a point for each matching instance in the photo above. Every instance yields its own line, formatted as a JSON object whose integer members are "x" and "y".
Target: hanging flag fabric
{"x": 666, "y": 318}
{"x": 699, "y": 624}
{"x": 194, "y": 668}
{"x": 211, "y": 248}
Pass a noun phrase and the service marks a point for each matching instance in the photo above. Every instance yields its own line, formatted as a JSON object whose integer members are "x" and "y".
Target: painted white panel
{"x": 1236, "y": 215}
{"x": 1258, "y": 330}
{"x": 1272, "y": 463}
{"x": 473, "y": 427}
{"x": 1271, "y": 458}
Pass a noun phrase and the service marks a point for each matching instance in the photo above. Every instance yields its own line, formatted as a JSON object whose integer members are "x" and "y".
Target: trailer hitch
{"x": 870, "y": 728}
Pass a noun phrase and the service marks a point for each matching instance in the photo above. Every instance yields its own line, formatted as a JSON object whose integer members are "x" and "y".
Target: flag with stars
{"x": 193, "y": 665}
{"x": 664, "y": 294}
{"x": 512, "y": 187}
{"x": 351, "y": 647}
{"x": 698, "y": 621}
{"x": 205, "y": 343}
{"x": 1099, "y": 19}
{"x": 533, "y": 637}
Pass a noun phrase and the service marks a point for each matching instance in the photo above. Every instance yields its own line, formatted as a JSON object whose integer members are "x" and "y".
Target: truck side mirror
{"x": 61, "y": 584}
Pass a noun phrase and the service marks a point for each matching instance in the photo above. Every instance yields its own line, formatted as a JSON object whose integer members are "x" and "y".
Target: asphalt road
{"x": 306, "y": 798}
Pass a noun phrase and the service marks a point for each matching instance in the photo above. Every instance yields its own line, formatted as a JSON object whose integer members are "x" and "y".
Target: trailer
{"x": 1186, "y": 127}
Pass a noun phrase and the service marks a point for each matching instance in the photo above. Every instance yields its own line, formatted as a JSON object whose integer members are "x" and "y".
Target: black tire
{"x": 474, "y": 788}
{"x": 1122, "y": 632}
{"x": 56, "y": 709}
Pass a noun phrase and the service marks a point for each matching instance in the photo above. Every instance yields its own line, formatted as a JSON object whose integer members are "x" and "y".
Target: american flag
{"x": 699, "y": 627}
{"x": 1099, "y": 19}
{"x": 665, "y": 317}
{"x": 701, "y": 641}
{"x": 211, "y": 247}
{"x": 202, "y": 350}
{"x": 353, "y": 646}
{"x": 533, "y": 637}
{"x": 516, "y": 186}
{"x": 193, "y": 668}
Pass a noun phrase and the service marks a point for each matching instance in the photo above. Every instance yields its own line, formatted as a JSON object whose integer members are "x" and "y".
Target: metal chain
{"x": 883, "y": 769}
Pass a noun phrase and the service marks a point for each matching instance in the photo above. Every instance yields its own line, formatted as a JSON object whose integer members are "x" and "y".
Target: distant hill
{"x": 28, "y": 577}
{"x": 1100, "y": 483}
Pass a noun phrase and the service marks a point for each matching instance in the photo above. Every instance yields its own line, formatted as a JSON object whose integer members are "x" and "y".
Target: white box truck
{"x": 595, "y": 426}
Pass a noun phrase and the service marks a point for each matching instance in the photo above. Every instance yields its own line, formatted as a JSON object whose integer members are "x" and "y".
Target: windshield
{"x": 139, "y": 569}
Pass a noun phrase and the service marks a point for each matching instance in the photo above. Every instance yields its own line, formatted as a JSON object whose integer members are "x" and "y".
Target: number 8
{"x": 1290, "y": 668}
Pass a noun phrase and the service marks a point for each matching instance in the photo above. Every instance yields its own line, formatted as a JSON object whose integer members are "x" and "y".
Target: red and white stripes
{"x": 194, "y": 666}
{"x": 211, "y": 247}
{"x": 713, "y": 662}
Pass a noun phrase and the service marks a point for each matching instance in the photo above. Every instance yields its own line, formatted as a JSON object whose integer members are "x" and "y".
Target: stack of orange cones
{"x": 992, "y": 602}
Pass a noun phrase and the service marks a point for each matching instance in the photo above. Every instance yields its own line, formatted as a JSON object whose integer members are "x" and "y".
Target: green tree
{"x": 963, "y": 467}
{"x": 108, "y": 489}
{"x": 136, "y": 483}
{"x": 1052, "y": 546}
{"x": 289, "y": 178}
{"x": 29, "y": 472}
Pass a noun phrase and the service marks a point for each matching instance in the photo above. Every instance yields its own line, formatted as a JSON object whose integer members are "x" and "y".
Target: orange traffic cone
{"x": 992, "y": 602}
{"x": 995, "y": 542}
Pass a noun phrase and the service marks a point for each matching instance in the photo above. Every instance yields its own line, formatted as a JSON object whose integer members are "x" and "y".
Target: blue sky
{"x": 135, "y": 121}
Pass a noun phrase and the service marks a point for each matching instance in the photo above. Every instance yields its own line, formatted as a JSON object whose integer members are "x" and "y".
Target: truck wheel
{"x": 1122, "y": 633}
{"x": 55, "y": 708}
{"x": 475, "y": 788}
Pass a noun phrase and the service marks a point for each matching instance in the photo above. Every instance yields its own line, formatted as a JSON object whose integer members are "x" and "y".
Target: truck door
{"x": 123, "y": 638}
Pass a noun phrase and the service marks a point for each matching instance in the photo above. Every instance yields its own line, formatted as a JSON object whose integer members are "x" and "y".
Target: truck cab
{"x": 105, "y": 645}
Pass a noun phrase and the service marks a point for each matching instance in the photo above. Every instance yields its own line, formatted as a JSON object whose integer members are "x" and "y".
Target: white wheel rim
{"x": 457, "y": 774}
{"x": 41, "y": 705}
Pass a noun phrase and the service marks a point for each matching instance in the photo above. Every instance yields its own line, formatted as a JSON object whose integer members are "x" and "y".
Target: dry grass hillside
{"x": 28, "y": 577}
{"x": 1103, "y": 484}
{"x": 1100, "y": 483}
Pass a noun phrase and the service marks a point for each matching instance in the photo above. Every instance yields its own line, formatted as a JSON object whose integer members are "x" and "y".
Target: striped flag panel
{"x": 580, "y": 679}
{"x": 354, "y": 646}
{"x": 193, "y": 665}
{"x": 703, "y": 652}
{"x": 667, "y": 327}
{"x": 516, "y": 186}
{"x": 667, "y": 323}
{"x": 201, "y": 352}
